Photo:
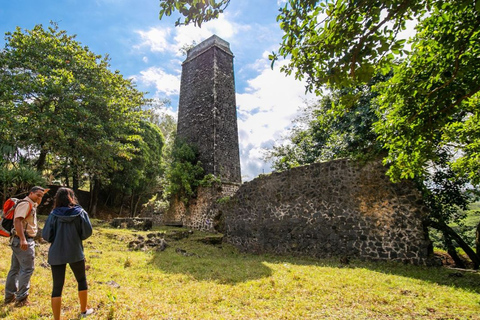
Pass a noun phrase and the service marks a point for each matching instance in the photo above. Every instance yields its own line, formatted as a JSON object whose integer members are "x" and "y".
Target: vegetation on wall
{"x": 185, "y": 172}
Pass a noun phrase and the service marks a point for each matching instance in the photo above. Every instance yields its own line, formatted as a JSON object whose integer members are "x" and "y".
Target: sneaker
{"x": 22, "y": 303}
{"x": 9, "y": 300}
{"x": 86, "y": 313}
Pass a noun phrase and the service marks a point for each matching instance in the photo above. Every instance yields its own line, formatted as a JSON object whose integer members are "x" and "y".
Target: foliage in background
{"x": 17, "y": 181}
{"x": 61, "y": 98}
{"x": 138, "y": 178}
{"x": 73, "y": 119}
{"x": 326, "y": 130}
{"x": 466, "y": 227}
{"x": 185, "y": 172}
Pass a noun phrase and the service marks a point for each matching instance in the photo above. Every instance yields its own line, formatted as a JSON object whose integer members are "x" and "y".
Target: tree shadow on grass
{"x": 226, "y": 265}
{"x": 464, "y": 279}
{"x": 221, "y": 267}
{"x": 443, "y": 276}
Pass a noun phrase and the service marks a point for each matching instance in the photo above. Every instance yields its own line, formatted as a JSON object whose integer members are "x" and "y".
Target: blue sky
{"x": 146, "y": 49}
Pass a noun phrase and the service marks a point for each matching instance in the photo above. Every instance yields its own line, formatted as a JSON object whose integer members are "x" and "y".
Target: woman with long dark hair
{"x": 66, "y": 227}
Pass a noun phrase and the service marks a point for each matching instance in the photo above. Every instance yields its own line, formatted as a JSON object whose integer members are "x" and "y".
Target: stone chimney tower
{"x": 207, "y": 115}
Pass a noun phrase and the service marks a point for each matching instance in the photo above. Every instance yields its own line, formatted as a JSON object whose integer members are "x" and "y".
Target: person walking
{"x": 17, "y": 285}
{"x": 66, "y": 227}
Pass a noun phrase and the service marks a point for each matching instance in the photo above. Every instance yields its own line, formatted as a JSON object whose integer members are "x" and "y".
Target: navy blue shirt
{"x": 65, "y": 229}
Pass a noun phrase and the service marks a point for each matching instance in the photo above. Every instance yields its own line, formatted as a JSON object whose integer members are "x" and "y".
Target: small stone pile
{"x": 154, "y": 241}
{"x": 157, "y": 241}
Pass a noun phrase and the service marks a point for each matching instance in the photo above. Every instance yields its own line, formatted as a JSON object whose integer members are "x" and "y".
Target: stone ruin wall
{"x": 201, "y": 212}
{"x": 332, "y": 209}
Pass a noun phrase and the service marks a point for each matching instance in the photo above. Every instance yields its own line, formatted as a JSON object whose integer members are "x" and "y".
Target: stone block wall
{"x": 331, "y": 209}
{"x": 200, "y": 213}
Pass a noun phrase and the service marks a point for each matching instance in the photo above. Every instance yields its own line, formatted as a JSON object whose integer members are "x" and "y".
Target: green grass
{"x": 218, "y": 282}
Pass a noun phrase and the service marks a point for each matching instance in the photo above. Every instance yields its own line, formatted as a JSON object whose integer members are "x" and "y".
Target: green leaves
{"x": 60, "y": 99}
{"x": 430, "y": 102}
{"x": 185, "y": 172}
{"x": 340, "y": 125}
{"x": 345, "y": 44}
{"x": 196, "y": 11}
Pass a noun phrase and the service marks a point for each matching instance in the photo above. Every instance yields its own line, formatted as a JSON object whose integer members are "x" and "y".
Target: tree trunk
{"x": 94, "y": 196}
{"x": 136, "y": 205}
{"x": 121, "y": 205}
{"x": 65, "y": 174}
{"x": 477, "y": 245}
{"x": 453, "y": 253}
{"x": 132, "y": 205}
{"x": 454, "y": 236}
{"x": 42, "y": 158}
{"x": 107, "y": 199}
{"x": 75, "y": 182}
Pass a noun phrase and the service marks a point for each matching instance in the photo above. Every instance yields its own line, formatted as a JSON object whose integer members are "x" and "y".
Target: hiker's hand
{"x": 23, "y": 244}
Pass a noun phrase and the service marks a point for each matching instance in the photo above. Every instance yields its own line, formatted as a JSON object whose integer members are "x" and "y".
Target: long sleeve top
{"x": 65, "y": 229}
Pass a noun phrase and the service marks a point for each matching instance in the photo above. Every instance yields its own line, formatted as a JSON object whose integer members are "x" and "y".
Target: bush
{"x": 185, "y": 173}
{"x": 17, "y": 181}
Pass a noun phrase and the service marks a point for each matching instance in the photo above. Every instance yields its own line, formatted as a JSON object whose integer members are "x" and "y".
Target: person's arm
{"x": 48, "y": 230}
{"x": 18, "y": 224}
{"x": 87, "y": 229}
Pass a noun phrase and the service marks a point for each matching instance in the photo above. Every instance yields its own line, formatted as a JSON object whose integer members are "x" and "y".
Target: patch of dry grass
{"x": 218, "y": 282}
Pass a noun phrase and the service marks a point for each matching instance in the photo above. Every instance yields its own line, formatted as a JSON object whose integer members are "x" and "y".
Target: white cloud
{"x": 265, "y": 111}
{"x": 165, "y": 83}
{"x": 164, "y": 109}
{"x": 155, "y": 39}
{"x": 222, "y": 27}
{"x": 172, "y": 40}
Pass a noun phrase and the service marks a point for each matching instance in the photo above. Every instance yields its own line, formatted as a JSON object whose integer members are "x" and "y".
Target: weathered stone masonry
{"x": 337, "y": 208}
{"x": 207, "y": 119}
{"x": 207, "y": 115}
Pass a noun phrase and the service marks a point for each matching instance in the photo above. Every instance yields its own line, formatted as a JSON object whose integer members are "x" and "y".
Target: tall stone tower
{"x": 207, "y": 115}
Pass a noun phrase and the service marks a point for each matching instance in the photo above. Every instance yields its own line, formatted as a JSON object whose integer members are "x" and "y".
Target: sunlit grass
{"x": 218, "y": 282}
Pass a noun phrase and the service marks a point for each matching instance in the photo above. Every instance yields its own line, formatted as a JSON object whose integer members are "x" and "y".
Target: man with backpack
{"x": 22, "y": 243}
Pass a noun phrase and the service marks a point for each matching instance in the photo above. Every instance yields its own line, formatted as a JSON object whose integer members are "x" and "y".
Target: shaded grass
{"x": 219, "y": 282}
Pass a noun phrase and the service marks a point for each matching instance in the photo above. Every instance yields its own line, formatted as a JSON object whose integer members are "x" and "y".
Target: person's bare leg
{"x": 57, "y": 307}
{"x": 83, "y": 296}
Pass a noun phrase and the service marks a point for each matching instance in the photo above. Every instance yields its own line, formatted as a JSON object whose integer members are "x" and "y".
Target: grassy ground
{"x": 206, "y": 281}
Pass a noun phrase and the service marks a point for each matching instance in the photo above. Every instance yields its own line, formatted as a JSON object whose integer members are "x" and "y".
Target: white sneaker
{"x": 86, "y": 313}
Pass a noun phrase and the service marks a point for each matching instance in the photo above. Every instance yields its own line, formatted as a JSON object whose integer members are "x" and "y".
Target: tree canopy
{"x": 432, "y": 100}
{"x": 60, "y": 97}
{"x": 65, "y": 110}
